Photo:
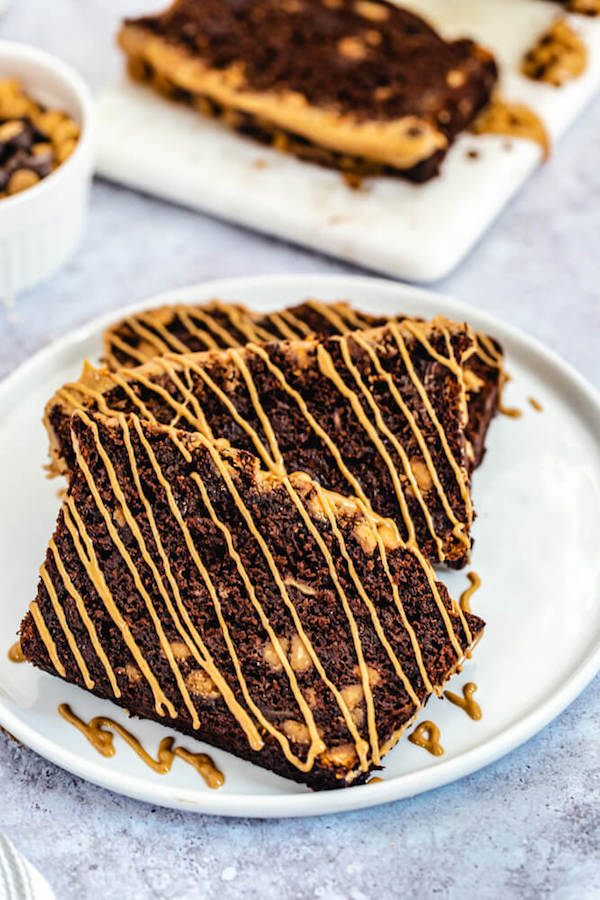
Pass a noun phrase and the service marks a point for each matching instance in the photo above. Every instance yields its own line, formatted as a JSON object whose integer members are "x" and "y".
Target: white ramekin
{"x": 40, "y": 226}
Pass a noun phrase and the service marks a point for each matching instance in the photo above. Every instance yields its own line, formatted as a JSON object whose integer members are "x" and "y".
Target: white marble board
{"x": 416, "y": 232}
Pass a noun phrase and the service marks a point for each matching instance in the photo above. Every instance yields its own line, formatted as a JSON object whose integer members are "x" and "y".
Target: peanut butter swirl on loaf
{"x": 360, "y": 85}
{"x": 377, "y": 414}
{"x": 183, "y": 328}
{"x": 255, "y": 611}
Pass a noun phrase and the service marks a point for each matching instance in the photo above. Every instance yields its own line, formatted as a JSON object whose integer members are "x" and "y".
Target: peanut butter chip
{"x": 352, "y": 47}
{"x": 64, "y": 150}
{"x": 65, "y": 130}
{"x": 296, "y": 731}
{"x": 133, "y": 673}
{"x": 198, "y": 682}
{"x": 41, "y": 148}
{"x": 357, "y": 715}
{"x": 299, "y": 657}
{"x": 352, "y": 695}
{"x": 49, "y": 121}
{"x": 310, "y": 695}
{"x": 118, "y": 516}
{"x": 33, "y": 140}
{"x": 383, "y": 93}
{"x": 373, "y": 11}
{"x": 373, "y": 675}
{"x": 180, "y": 650}
{"x": 421, "y": 473}
{"x": 342, "y": 755}
{"x": 373, "y": 37}
{"x": 21, "y": 179}
{"x": 455, "y": 78}
{"x": 9, "y": 130}
{"x": 270, "y": 654}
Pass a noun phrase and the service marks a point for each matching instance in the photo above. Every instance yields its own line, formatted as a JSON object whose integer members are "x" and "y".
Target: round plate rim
{"x": 396, "y": 787}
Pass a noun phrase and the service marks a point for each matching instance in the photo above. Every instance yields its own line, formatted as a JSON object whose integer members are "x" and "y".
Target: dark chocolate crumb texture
{"x": 192, "y": 328}
{"x": 259, "y": 613}
{"x": 378, "y": 414}
{"x": 360, "y": 85}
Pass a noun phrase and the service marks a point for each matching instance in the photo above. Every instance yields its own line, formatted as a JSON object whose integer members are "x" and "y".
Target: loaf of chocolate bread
{"x": 363, "y": 86}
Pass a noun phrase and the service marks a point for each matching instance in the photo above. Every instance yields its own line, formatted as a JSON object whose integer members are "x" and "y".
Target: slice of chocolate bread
{"x": 265, "y": 615}
{"x": 379, "y": 414}
{"x": 184, "y": 328}
{"x": 365, "y": 87}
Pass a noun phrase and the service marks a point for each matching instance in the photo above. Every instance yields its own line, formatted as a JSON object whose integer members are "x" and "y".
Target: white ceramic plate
{"x": 538, "y": 498}
{"x": 415, "y": 232}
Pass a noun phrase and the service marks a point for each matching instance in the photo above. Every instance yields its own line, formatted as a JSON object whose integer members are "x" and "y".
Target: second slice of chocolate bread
{"x": 183, "y": 328}
{"x": 379, "y": 414}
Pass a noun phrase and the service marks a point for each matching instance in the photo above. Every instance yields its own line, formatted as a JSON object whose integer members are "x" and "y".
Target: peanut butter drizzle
{"x": 161, "y": 337}
{"x": 374, "y": 780}
{"x": 97, "y": 733}
{"x": 330, "y": 314}
{"x": 192, "y": 639}
{"x": 88, "y": 558}
{"x": 460, "y": 473}
{"x": 513, "y": 120}
{"x": 288, "y": 325}
{"x": 458, "y": 530}
{"x": 15, "y": 654}
{"x": 302, "y": 329}
{"x": 327, "y": 507}
{"x": 340, "y": 315}
{"x": 536, "y": 404}
{"x": 250, "y": 431}
{"x": 408, "y": 471}
{"x": 235, "y": 708}
{"x": 204, "y": 316}
{"x": 317, "y": 745}
{"x": 60, "y": 615}
{"x": 274, "y": 460}
{"x": 510, "y": 411}
{"x": 327, "y": 368}
{"x": 361, "y": 745}
{"x": 367, "y": 510}
{"x": 85, "y": 618}
{"x": 131, "y": 522}
{"x": 275, "y": 463}
{"x": 465, "y": 597}
{"x": 467, "y": 701}
{"x": 186, "y": 391}
{"x": 113, "y": 340}
{"x": 427, "y": 735}
{"x": 184, "y": 314}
